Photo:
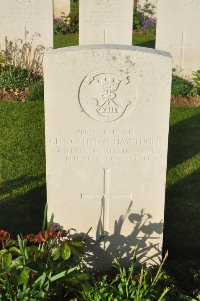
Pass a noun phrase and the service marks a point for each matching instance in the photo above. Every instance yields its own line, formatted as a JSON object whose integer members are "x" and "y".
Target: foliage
{"x": 128, "y": 285}
{"x": 45, "y": 266}
{"x": 149, "y": 25}
{"x": 144, "y": 19}
{"x": 68, "y": 24}
{"x": 196, "y": 88}
{"x": 36, "y": 91}
{"x": 181, "y": 86}
{"x": 137, "y": 20}
{"x": 14, "y": 78}
{"x": 20, "y": 64}
{"x": 22, "y": 55}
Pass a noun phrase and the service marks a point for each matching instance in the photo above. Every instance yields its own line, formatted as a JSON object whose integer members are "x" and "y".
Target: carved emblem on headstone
{"x": 186, "y": 3}
{"x": 107, "y": 96}
{"x": 24, "y": 1}
{"x": 106, "y": 3}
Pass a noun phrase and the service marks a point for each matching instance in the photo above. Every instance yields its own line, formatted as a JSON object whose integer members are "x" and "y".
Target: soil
{"x": 14, "y": 94}
{"x": 186, "y": 101}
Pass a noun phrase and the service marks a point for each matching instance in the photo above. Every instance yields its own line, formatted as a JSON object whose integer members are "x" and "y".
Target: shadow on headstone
{"x": 144, "y": 236}
{"x": 22, "y": 212}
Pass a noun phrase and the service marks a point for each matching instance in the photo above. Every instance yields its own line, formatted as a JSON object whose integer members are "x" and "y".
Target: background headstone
{"x": 178, "y": 25}
{"x": 107, "y": 121}
{"x": 61, "y": 7}
{"x": 27, "y": 20}
{"x": 105, "y": 22}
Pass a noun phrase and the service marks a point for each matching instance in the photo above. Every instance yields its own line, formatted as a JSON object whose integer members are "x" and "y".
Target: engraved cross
{"x": 105, "y": 197}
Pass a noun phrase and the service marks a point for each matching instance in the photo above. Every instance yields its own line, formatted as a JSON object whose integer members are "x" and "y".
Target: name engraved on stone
{"x": 103, "y": 95}
{"x": 85, "y": 146}
{"x": 105, "y": 198}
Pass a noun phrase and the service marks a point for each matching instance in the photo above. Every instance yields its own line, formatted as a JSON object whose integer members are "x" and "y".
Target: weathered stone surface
{"x": 27, "y": 20}
{"x": 107, "y": 121}
{"x": 105, "y": 22}
{"x": 178, "y": 26}
{"x": 61, "y": 7}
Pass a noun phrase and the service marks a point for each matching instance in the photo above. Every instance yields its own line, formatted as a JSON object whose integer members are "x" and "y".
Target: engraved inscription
{"x": 105, "y": 198}
{"x": 186, "y": 3}
{"x": 106, "y": 96}
{"x": 106, "y": 146}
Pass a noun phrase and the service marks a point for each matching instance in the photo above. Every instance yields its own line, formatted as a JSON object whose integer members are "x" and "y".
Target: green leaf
{"x": 6, "y": 260}
{"x": 58, "y": 276}
{"x": 56, "y": 253}
{"x": 65, "y": 251}
{"x": 14, "y": 251}
{"x": 23, "y": 277}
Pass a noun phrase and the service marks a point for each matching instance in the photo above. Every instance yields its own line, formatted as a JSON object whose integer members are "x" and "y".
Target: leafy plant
{"x": 181, "y": 86}
{"x": 22, "y": 55}
{"x": 14, "y": 78}
{"x": 68, "y": 24}
{"x": 137, "y": 20}
{"x": 45, "y": 266}
{"x": 36, "y": 91}
{"x": 149, "y": 25}
{"x": 128, "y": 285}
{"x": 196, "y": 89}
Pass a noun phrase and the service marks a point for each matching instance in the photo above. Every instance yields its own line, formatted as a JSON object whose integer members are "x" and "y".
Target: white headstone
{"x": 27, "y": 20}
{"x": 105, "y": 22}
{"x": 178, "y": 25}
{"x": 61, "y": 8}
{"x": 107, "y": 121}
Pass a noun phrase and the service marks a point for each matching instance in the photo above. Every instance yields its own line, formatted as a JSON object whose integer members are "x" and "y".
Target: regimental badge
{"x": 106, "y": 3}
{"x": 106, "y": 96}
{"x": 24, "y": 1}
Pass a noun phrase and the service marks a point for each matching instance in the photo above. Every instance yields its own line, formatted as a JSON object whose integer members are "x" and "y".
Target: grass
{"x": 22, "y": 154}
{"x": 72, "y": 40}
{"x": 23, "y": 174}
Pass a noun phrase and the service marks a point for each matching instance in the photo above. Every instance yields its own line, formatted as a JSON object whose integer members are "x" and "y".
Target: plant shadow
{"x": 145, "y": 237}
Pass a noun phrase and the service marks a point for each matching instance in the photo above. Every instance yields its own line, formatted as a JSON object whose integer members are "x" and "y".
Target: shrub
{"x": 149, "y": 25}
{"x": 14, "y": 78}
{"x": 36, "y": 91}
{"x": 181, "y": 86}
{"x": 68, "y": 24}
{"x": 137, "y": 20}
{"x": 128, "y": 285}
{"x": 22, "y": 55}
{"x": 196, "y": 88}
{"x": 46, "y": 266}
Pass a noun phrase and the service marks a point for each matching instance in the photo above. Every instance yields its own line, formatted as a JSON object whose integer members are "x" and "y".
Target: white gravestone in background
{"x": 105, "y": 22}
{"x": 107, "y": 121}
{"x": 61, "y": 7}
{"x": 178, "y": 26}
{"x": 27, "y": 20}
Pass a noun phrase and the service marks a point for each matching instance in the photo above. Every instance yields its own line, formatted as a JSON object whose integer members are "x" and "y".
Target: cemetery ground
{"x": 23, "y": 190}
